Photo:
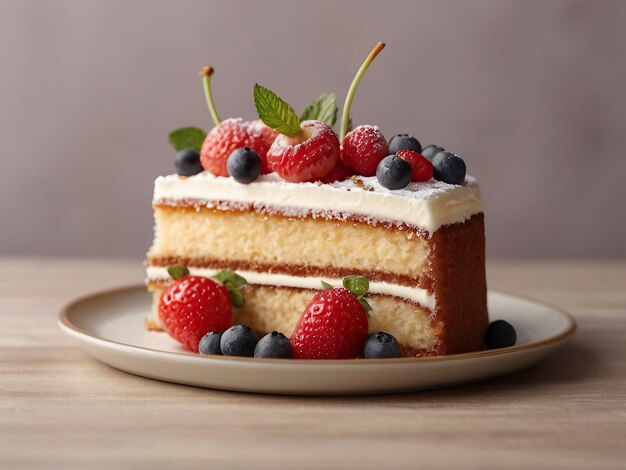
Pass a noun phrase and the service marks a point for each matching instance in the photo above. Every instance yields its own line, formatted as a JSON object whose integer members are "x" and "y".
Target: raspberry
{"x": 193, "y": 306}
{"x": 311, "y": 159}
{"x": 230, "y": 135}
{"x": 363, "y": 148}
{"x": 332, "y": 326}
{"x": 421, "y": 168}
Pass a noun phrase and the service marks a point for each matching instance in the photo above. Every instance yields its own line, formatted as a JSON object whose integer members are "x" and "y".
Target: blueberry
{"x": 381, "y": 345}
{"x": 449, "y": 168}
{"x": 187, "y": 162}
{"x": 404, "y": 142}
{"x": 500, "y": 334}
{"x": 239, "y": 340}
{"x": 275, "y": 345}
{"x": 432, "y": 150}
{"x": 210, "y": 343}
{"x": 244, "y": 165}
{"x": 393, "y": 172}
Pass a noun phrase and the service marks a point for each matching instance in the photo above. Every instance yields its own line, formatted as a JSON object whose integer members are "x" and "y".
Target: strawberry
{"x": 339, "y": 173}
{"x": 334, "y": 324}
{"x": 421, "y": 168}
{"x": 363, "y": 148}
{"x": 228, "y": 136}
{"x": 192, "y": 306}
{"x": 308, "y": 156}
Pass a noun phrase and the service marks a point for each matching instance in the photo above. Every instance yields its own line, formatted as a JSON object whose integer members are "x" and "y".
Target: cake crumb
{"x": 358, "y": 182}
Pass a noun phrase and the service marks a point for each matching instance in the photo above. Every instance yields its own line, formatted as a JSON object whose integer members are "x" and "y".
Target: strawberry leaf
{"x": 177, "y": 271}
{"x": 326, "y": 285}
{"x": 187, "y": 138}
{"x": 234, "y": 283}
{"x": 275, "y": 112}
{"x": 358, "y": 285}
{"x": 322, "y": 109}
{"x": 366, "y": 306}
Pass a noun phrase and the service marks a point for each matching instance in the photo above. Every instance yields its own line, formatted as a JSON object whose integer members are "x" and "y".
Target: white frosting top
{"x": 426, "y": 206}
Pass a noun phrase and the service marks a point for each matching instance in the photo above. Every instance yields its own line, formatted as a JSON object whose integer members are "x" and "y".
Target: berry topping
{"x": 187, "y": 162}
{"x": 244, "y": 165}
{"x": 223, "y": 139}
{"x": 393, "y": 172}
{"x": 210, "y": 343}
{"x": 239, "y": 340}
{"x": 432, "y": 150}
{"x": 333, "y": 324}
{"x": 192, "y": 306}
{"x": 381, "y": 346}
{"x": 363, "y": 148}
{"x": 275, "y": 345}
{"x": 339, "y": 173}
{"x": 449, "y": 168}
{"x": 404, "y": 142}
{"x": 309, "y": 157}
{"x": 500, "y": 334}
{"x": 422, "y": 169}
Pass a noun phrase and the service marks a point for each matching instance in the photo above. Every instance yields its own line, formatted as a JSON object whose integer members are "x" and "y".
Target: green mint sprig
{"x": 234, "y": 283}
{"x": 322, "y": 109}
{"x": 275, "y": 112}
{"x": 358, "y": 286}
{"x": 187, "y": 138}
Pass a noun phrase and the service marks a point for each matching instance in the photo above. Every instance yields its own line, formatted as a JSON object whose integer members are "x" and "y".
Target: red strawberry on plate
{"x": 334, "y": 323}
{"x": 192, "y": 306}
{"x": 363, "y": 148}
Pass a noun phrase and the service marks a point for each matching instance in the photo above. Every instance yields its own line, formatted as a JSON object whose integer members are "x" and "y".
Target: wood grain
{"x": 60, "y": 408}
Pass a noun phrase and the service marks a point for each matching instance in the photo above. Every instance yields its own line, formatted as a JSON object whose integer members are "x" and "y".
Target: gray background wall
{"x": 531, "y": 93}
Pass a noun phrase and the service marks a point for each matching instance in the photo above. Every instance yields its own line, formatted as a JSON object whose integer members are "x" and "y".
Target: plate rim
{"x": 71, "y": 329}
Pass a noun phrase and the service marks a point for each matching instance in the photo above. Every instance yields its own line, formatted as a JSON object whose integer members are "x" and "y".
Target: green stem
{"x": 345, "y": 118}
{"x": 206, "y": 73}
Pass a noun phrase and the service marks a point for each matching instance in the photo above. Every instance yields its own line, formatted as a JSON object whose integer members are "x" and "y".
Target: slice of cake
{"x": 294, "y": 208}
{"x": 421, "y": 248}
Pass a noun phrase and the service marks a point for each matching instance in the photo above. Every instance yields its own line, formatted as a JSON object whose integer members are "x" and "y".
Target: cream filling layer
{"x": 414, "y": 294}
{"x": 427, "y": 206}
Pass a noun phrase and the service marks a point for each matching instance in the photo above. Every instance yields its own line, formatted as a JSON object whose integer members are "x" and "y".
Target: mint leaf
{"x": 187, "y": 138}
{"x": 275, "y": 112}
{"x": 326, "y": 285}
{"x": 322, "y": 109}
{"x": 358, "y": 285}
{"x": 177, "y": 271}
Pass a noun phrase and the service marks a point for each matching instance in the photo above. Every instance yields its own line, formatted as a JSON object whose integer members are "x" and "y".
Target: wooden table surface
{"x": 59, "y": 408}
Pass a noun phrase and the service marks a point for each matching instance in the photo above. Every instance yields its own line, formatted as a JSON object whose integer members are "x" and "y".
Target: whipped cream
{"x": 427, "y": 206}
{"x": 415, "y": 294}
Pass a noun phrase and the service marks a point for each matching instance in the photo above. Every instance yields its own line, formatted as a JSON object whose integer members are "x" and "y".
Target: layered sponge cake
{"x": 421, "y": 247}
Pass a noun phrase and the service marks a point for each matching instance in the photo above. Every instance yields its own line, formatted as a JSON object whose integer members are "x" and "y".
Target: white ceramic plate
{"x": 110, "y": 326}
